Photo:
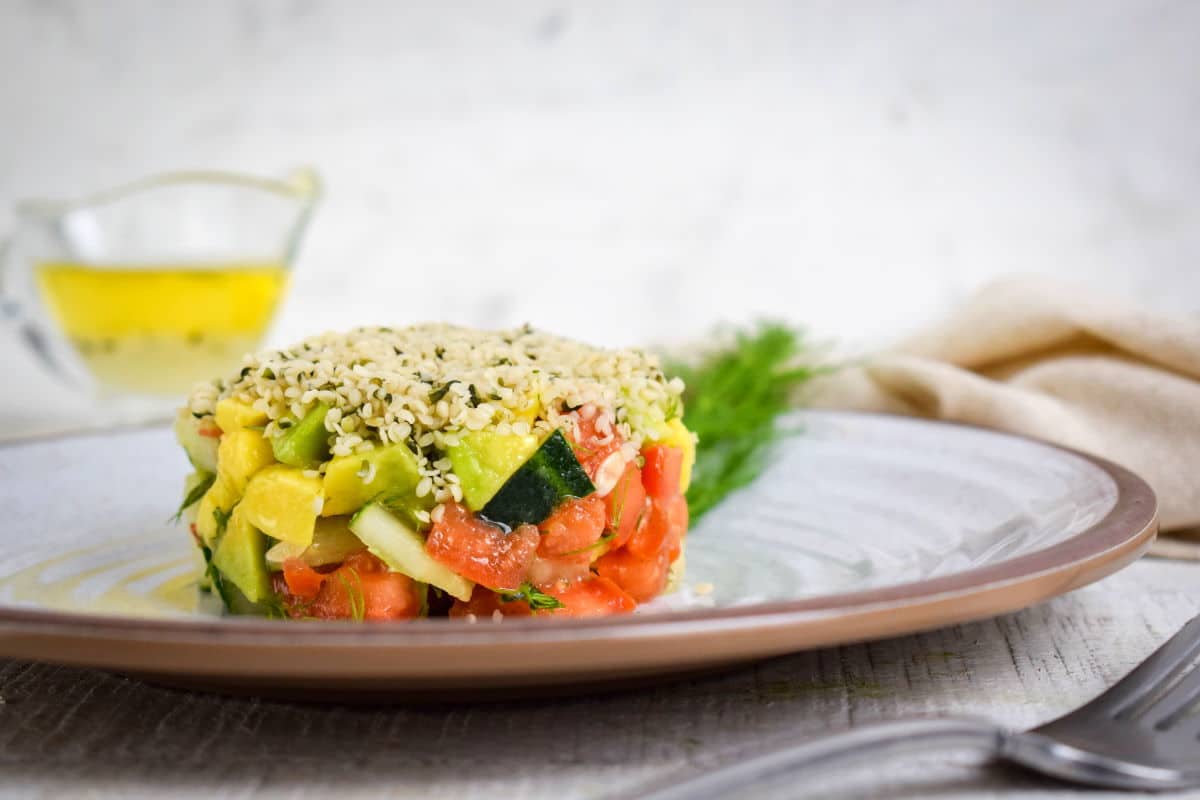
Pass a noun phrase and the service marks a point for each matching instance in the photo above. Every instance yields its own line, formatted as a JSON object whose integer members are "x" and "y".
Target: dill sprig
{"x": 733, "y": 398}
{"x": 354, "y": 594}
{"x": 536, "y": 598}
{"x": 205, "y": 483}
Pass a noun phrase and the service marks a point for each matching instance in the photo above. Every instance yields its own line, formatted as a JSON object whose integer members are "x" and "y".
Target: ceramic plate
{"x": 862, "y": 527}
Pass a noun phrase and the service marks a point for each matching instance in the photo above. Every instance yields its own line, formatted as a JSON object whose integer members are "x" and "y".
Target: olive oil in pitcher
{"x": 155, "y": 328}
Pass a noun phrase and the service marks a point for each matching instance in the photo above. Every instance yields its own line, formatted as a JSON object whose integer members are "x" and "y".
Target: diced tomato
{"x": 484, "y": 603}
{"x": 625, "y": 505}
{"x": 661, "y": 530}
{"x": 593, "y": 597}
{"x": 549, "y": 571}
{"x": 591, "y": 446}
{"x": 569, "y": 541}
{"x": 364, "y": 562}
{"x": 569, "y": 532}
{"x": 661, "y": 475}
{"x": 386, "y": 596}
{"x": 641, "y": 579}
{"x": 677, "y": 517}
{"x": 391, "y": 596}
{"x": 302, "y": 580}
{"x": 362, "y": 587}
{"x": 651, "y": 535}
{"x": 480, "y": 551}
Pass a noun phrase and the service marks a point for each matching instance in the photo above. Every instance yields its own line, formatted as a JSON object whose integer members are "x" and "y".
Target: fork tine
{"x": 1178, "y": 651}
{"x": 1186, "y": 727}
{"x": 1172, "y": 707}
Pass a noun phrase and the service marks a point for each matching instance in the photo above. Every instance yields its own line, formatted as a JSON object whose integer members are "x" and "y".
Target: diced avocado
{"x": 332, "y": 543}
{"x": 676, "y": 435}
{"x": 283, "y": 503}
{"x": 240, "y": 557}
{"x": 241, "y": 454}
{"x": 234, "y": 415}
{"x": 392, "y": 470}
{"x": 484, "y": 460}
{"x": 218, "y": 501}
{"x": 403, "y": 550}
{"x": 201, "y": 450}
{"x": 551, "y": 475}
{"x": 306, "y": 443}
{"x": 237, "y": 603}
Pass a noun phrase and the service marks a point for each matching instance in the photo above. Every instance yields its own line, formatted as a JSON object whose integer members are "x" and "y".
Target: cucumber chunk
{"x": 484, "y": 460}
{"x": 551, "y": 475}
{"x": 201, "y": 450}
{"x": 403, "y": 550}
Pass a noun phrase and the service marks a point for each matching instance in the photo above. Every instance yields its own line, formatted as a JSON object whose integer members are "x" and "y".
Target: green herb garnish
{"x": 358, "y": 603}
{"x": 222, "y": 518}
{"x": 734, "y": 397}
{"x": 537, "y": 599}
{"x": 195, "y": 494}
{"x": 603, "y": 540}
{"x": 475, "y": 398}
{"x": 216, "y": 579}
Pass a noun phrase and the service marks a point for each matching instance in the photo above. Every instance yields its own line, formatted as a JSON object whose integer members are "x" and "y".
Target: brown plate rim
{"x": 1129, "y": 526}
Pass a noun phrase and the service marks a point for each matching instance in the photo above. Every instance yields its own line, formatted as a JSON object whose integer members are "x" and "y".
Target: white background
{"x": 632, "y": 171}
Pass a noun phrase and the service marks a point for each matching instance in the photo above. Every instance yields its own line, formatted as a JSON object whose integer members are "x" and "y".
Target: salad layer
{"x": 436, "y": 470}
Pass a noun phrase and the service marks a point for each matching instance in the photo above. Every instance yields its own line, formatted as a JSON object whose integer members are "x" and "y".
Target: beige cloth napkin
{"x": 1059, "y": 363}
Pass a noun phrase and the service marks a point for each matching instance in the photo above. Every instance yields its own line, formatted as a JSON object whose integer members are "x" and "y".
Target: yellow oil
{"x": 161, "y": 328}
{"x": 177, "y": 593}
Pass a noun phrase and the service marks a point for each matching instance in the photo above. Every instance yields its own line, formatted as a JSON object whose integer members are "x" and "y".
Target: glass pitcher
{"x": 143, "y": 290}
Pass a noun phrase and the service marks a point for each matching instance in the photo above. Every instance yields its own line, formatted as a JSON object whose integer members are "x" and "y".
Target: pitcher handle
{"x": 13, "y": 313}
{"x": 10, "y": 309}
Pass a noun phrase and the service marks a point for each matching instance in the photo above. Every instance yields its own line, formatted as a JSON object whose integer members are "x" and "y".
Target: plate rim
{"x": 1123, "y": 534}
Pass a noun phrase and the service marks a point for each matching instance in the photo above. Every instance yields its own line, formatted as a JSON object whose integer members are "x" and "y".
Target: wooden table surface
{"x": 71, "y": 733}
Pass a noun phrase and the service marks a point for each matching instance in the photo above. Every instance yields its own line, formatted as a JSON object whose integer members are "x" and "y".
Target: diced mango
{"x": 240, "y": 558}
{"x": 219, "y": 497}
{"x": 241, "y": 454}
{"x": 528, "y": 412}
{"x": 234, "y": 415}
{"x": 283, "y": 503}
{"x": 679, "y": 436}
{"x": 484, "y": 460}
{"x": 392, "y": 471}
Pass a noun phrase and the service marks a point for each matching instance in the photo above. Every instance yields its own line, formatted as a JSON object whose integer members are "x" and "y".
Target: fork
{"x": 1143, "y": 733}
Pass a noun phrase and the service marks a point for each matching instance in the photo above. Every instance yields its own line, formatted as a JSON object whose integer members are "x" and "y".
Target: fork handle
{"x": 880, "y": 740}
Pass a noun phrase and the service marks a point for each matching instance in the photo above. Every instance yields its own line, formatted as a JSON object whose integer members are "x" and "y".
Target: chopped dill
{"x": 354, "y": 593}
{"x": 195, "y": 494}
{"x": 536, "y": 598}
{"x": 734, "y": 397}
{"x": 222, "y": 518}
